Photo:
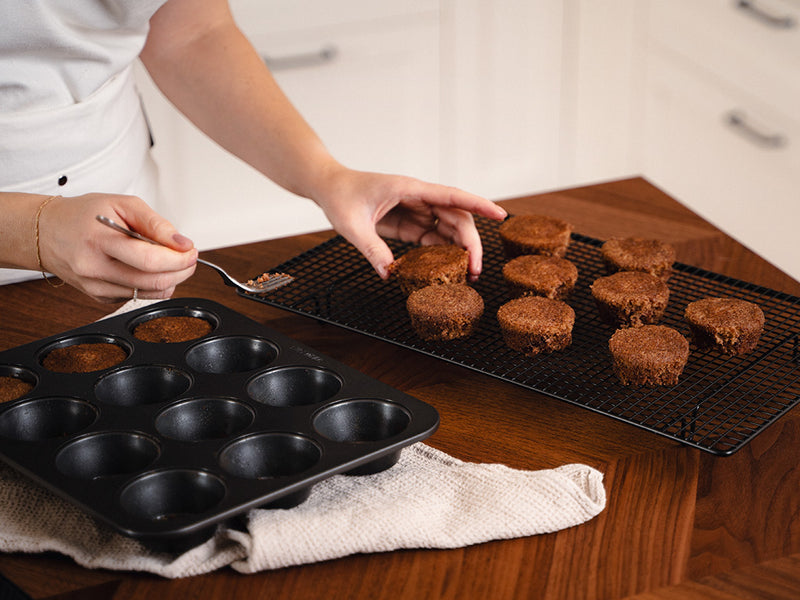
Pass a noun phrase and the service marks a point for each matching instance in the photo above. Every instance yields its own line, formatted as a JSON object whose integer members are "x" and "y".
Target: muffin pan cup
{"x": 181, "y": 437}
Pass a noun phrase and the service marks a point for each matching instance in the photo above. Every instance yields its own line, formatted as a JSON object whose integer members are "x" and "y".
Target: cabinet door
{"x": 727, "y": 156}
{"x": 501, "y": 90}
{"x": 370, "y": 93}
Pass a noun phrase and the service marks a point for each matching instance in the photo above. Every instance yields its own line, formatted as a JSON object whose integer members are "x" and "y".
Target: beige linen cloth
{"x": 427, "y": 500}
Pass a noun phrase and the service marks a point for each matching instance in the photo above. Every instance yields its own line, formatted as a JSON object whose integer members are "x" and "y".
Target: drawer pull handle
{"x": 738, "y": 121}
{"x": 763, "y": 15}
{"x": 314, "y": 58}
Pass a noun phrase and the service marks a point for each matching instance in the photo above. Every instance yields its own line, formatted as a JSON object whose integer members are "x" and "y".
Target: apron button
{"x": 62, "y": 180}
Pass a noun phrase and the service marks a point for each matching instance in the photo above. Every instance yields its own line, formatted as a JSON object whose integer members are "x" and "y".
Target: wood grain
{"x": 679, "y": 523}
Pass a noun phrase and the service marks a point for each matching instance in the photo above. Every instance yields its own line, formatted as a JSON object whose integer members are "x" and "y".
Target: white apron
{"x": 99, "y": 145}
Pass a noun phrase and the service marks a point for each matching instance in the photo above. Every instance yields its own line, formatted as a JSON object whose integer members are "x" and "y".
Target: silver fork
{"x": 271, "y": 283}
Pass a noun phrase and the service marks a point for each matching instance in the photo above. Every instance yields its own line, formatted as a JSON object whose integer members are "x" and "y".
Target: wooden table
{"x": 680, "y": 523}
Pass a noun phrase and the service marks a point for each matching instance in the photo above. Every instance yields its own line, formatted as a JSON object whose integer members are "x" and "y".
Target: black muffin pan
{"x": 181, "y": 437}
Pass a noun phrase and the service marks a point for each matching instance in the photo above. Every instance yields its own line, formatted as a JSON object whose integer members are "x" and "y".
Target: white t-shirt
{"x": 71, "y": 120}
{"x": 54, "y": 53}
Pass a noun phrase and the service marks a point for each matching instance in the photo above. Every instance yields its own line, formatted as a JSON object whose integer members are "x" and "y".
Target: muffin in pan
{"x": 534, "y": 234}
{"x": 12, "y": 388}
{"x": 650, "y": 355}
{"x": 639, "y": 254}
{"x": 84, "y": 358}
{"x": 172, "y": 329}
{"x": 730, "y": 325}
{"x": 535, "y": 325}
{"x": 430, "y": 265}
{"x": 444, "y": 312}
{"x": 630, "y": 298}
{"x": 536, "y": 275}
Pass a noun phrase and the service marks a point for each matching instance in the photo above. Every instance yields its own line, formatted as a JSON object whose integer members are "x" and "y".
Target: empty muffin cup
{"x": 106, "y": 454}
{"x": 172, "y": 494}
{"x": 147, "y": 384}
{"x": 294, "y": 386}
{"x": 268, "y": 455}
{"x": 203, "y": 419}
{"x": 46, "y": 418}
{"x": 231, "y": 354}
{"x": 363, "y": 420}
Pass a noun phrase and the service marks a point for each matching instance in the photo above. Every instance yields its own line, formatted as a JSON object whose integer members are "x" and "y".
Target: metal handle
{"x": 761, "y": 14}
{"x": 314, "y": 58}
{"x": 739, "y": 122}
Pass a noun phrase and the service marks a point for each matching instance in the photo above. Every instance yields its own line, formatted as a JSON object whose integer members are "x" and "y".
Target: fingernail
{"x": 181, "y": 239}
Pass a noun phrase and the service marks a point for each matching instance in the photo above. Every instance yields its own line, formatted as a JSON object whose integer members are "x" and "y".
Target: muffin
{"x": 730, "y": 325}
{"x": 444, "y": 312}
{"x": 534, "y": 325}
{"x": 534, "y": 234}
{"x": 172, "y": 329}
{"x": 648, "y": 355}
{"x": 430, "y": 265}
{"x": 83, "y": 358}
{"x": 630, "y": 298}
{"x": 536, "y": 275}
{"x": 639, "y": 254}
{"x": 12, "y": 388}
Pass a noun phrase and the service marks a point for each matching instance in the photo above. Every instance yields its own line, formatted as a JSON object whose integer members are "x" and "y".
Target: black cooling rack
{"x": 719, "y": 405}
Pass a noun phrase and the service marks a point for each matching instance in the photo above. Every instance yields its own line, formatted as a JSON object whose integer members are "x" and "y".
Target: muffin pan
{"x": 180, "y": 437}
{"x": 719, "y": 404}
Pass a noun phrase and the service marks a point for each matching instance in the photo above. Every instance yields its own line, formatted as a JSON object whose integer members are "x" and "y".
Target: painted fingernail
{"x": 181, "y": 239}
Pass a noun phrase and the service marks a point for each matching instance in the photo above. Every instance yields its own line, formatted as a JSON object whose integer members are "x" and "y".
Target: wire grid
{"x": 720, "y": 403}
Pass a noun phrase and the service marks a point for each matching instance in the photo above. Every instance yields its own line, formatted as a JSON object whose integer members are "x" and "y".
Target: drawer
{"x": 754, "y": 44}
{"x": 260, "y": 16}
{"x": 739, "y": 173}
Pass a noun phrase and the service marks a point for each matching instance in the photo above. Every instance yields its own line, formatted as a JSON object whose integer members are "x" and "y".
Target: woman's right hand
{"x": 105, "y": 264}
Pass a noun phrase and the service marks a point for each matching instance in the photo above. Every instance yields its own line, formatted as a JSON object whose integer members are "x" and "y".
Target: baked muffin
{"x": 630, "y": 298}
{"x": 12, "y": 388}
{"x": 84, "y": 358}
{"x": 430, "y": 265}
{"x": 172, "y": 329}
{"x": 730, "y": 325}
{"x": 639, "y": 254}
{"x": 536, "y": 275}
{"x": 444, "y": 312}
{"x": 648, "y": 355}
{"x": 534, "y": 325}
{"x": 534, "y": 234}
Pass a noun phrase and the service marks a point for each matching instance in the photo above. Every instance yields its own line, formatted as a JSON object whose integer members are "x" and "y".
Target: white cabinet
{"x": 721, "y": 131}
{"x": 502, "y": 75}
{"x": 366, "y": 76}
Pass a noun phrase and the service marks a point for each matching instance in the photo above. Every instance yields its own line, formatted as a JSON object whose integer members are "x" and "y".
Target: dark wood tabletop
{"x": 679, "y": 523}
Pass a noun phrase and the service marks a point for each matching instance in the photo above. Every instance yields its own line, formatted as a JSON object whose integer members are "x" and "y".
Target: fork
{"x": 272, "y": 282}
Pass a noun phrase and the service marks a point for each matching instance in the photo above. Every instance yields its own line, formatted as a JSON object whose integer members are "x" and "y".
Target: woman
{"x": 74, "y": 144}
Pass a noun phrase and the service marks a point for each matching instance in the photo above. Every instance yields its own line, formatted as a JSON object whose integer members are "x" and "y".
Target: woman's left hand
{"x": 364, "y": 206}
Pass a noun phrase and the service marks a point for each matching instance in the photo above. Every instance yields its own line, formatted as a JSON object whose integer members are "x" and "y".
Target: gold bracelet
{"x": 36, "y": 240}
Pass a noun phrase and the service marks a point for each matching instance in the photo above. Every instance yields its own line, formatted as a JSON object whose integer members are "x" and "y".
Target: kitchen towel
{"x": 427, "y": 500}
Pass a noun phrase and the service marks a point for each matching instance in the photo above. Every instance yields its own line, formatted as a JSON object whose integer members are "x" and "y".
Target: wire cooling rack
{"x": 720, "y": 403}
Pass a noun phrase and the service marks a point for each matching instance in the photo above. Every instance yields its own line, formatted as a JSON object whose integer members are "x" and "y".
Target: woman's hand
{"x": 364, "y": 206}
{"x": 104, "y": 263}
